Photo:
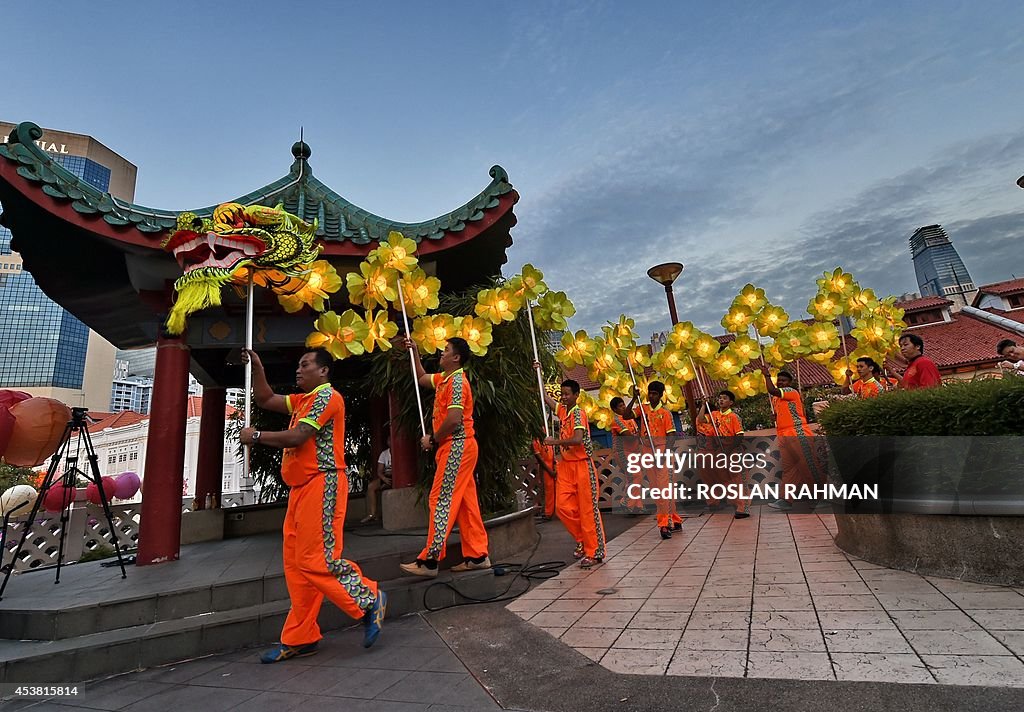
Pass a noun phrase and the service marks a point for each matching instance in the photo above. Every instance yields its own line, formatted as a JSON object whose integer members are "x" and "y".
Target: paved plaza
{"x": 772, "y": 597}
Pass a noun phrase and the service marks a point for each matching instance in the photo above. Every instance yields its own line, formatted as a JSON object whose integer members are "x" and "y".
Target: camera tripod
{"x": 78, "y": 424}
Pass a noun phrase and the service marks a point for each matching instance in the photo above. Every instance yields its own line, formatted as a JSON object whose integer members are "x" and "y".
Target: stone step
{"x": 89, "y": 656}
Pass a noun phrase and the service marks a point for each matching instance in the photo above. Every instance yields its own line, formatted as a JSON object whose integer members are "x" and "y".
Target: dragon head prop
{"x": 240, "y": 242}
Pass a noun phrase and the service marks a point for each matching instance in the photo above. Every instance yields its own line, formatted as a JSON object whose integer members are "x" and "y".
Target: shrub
{"x": 988, "y": 407}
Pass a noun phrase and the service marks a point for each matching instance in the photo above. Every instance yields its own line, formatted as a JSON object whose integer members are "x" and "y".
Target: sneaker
{"x": 587, "y": 562}
{"x": 373, "y": 619}
{"x": 285, "y": 652}
{"x": 741, "y": 515}
{"x": 666, "y": 532}
{"x": 470, "y": 565}
{"x": 368, "y": 519}
{"x": 418, "y": 568}
{"x": 577, "y": 553}
{"x": 677, "y": 526}
{"x": 780, "y": 504}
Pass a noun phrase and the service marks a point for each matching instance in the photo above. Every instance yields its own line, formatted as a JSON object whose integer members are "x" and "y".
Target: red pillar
{"x": 160, "y": 527}
{"x": 210, "y": 465}
{"x": 403, "y": 450}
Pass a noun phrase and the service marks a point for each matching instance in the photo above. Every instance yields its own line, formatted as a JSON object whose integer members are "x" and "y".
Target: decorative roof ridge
{"x": 354, "y": 223}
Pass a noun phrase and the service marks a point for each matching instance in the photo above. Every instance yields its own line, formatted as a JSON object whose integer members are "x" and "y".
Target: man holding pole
{"x": 656, "y": 424}
{"x": 313, "y": 466}
{"x": 453, "y": 496}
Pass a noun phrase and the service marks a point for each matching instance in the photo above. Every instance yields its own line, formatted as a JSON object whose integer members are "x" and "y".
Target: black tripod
{"x": 69, "y": 479}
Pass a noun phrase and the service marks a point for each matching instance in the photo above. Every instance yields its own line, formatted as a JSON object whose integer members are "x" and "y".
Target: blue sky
{"x": 761, "y": 142}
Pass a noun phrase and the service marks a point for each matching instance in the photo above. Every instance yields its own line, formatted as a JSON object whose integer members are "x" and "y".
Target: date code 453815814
{"x": 15, "y": 691}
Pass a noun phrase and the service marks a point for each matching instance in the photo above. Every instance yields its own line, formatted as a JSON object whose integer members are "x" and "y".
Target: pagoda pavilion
{"x": 101, "y": 259}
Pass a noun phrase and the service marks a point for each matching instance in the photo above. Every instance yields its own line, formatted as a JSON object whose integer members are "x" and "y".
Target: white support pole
{"x": 540, "y": 379}
{"x": 412, "y": 361}
{"x": 248, "y": 374}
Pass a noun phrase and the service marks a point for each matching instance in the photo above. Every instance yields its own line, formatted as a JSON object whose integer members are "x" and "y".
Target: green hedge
{"x": 988, "y": 407}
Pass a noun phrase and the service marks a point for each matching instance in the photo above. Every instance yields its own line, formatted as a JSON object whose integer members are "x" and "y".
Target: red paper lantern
{"x": 9, "y": 398}
{"x": 92, "y": 492}
{"x": 38, "y": 427}
{"x": 58, "y": 497}
{"x": 6, "y": 429}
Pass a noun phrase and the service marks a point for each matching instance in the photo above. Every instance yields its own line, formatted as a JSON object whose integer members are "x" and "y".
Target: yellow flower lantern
{"x": 342, "y": 336}
{"x": 432, "y": 332}
{"x": 577, "y": 349}
{"x": 837, "y": 282}
{"x": 374, "y": 285}
{"x": 738, "y": 319}
{"x": 824, "y": 336}
{"x": 746, "y": 385}
{"x": 379, "y": 331}
{"x": 826, "y": 306}
{"x": 705, "y": 347}
{"x": 397, "y": 253}
{"x": 872, "y": 331}
{"x": 794, "y": 341}
{"x": 725, "y": 365}
{"x": 746, "y": 348}
{"x": 771, "y": 320}
{"x": 553, "y": 311}
{"x": 683, "y": 335}
{"x": 620, "y": 334}
{"x": 420, "y": 292}
{"x": 316, "y": 285}
{"x": 639, "y": 357}
{"x": 752, "y": 297}
{"x": 498, "y": 305}
{"x": 529, "y": 284}
{"x": 477, "y": 332}
{"x": 822, "y": 357}
{"x": 860, "y": 302}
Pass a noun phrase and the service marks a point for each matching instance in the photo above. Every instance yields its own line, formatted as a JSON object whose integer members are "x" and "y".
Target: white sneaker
{"x": 468, "y": 565}
{"x": 780, "y": 504}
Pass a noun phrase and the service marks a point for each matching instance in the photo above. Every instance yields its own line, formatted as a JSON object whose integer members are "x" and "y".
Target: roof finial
{"x": 301, "y": 150}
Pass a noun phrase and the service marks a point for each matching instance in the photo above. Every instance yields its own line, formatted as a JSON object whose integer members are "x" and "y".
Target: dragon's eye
{"x": 197, "y": 224}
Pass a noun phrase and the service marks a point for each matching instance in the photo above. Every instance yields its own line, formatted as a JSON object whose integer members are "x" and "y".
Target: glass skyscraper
{"x": 940, "y": 271}
{"x": 44, "y": 346}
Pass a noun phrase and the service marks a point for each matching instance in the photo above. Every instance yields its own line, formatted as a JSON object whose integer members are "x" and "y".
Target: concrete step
{"x": 85, "y": 657}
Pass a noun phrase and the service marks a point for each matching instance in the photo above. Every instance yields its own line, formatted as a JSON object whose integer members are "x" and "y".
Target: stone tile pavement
{"x": 409, "y": 670}
{"x": 772, "y": 597}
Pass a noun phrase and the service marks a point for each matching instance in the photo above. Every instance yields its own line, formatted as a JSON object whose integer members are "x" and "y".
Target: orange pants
{"x": 577, "y": 505}
{"x": 313, "y": 567}
{"x": 453, "y": 500}
{"x": 801, "y": 462}
{"x": 722, "y": 476}
{"x": 550, "y": 494}
{"x": 666, "y": 508}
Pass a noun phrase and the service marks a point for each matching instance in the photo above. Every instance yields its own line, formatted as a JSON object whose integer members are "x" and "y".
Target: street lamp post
{"x": 665, "y": 274}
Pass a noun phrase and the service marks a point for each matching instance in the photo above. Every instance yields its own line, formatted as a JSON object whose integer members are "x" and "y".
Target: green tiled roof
{"x": 301, "y": 193}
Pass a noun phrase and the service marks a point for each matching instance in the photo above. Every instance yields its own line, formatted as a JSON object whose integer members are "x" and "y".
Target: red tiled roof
{"x": 1010, "y": 286}
{"x": 117, "y": 420}
{"x": 1013, "y": 314}
{"x": 964, "y": 341}
{"x": 913, "y": 305}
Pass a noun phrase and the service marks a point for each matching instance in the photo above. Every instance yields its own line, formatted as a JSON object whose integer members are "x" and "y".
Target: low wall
{"x": 973, "y": 548}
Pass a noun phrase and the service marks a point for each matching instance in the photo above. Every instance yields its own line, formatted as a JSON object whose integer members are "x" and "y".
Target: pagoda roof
{"x": 339, "y": 220}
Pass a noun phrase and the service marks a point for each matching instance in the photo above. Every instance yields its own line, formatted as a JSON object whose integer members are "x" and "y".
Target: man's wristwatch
{"x": 256, "y": 436}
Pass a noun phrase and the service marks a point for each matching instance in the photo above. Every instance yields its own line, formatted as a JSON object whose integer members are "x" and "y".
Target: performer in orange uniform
{"x": 866, "y": 385}
{"x": 624, "y": 439}
{"x": 661, "y": 426}
{"x": 453, "y": 495}
{"x": 722, "y": 430}
{"x": 313, "y": 466}
{"x": 545, "y": 456}
{"x": 578, "y": 481}
{"x": 800, "y": 462}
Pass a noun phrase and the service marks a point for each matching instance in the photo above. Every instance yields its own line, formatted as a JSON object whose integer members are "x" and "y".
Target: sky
{"x": 761, "y": 142}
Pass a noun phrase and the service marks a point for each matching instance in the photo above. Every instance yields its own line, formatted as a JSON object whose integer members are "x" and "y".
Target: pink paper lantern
{"x": 92, "y": 492}
{"x": 9, "y": 398}
{"x": 127, "y": 484}
{"x": 58, "y": 497}
{"x": 38, "y": 427}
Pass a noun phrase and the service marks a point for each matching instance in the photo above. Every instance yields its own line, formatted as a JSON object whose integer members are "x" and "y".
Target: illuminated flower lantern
{"x": 838, "y": 282}
{"x": 553, "y": 312}
{"x": 372, "y": 286}
{"x": 92, "y": 492}
{"x": 824, "y": 337}
{"x": 577, "y": 349}
{"x": 420, "y": 292}
{"x": 620, "y": 382}
{"x": 620, "y": 334}
{"x": 639, "y": 357}
{"x": 379, "y": 331}
{"x": 341, "y": 336}
{"x": 127, "y": 484}
{"x": 476, "y": 331}
{"x": 738, "y": 319}
{"x": 602, "y": 417}
{"x": 771, "y": 320}
{"x": 316, "y": 285}
{"x": 683, "y": 335}
{"x": 753, "y": 298}
{"x": 673, "y": 396}
{"x": 822, "y": 357}
{"x": 529, "y": 284}
{"x": 839, "y": 368}
{"x": 746, "y": 385}
{"x": 497, "y": 305}
{"x": 794, "y": 342}
{"x": 725, "y": 365}
{"x": 826, "y": 306}
{"x": 746, "y": 348}
{"x": 873, "y": 332}
{"x": 705, "y": 347}
{"x": 859, "y": 303}
{"x": 669, "y": 361}
{"x": 396, "y": 253}
{"x": 892, "y": 314}
{"x": 431, "y": 333}
{"x": 605, "y": 361}
{"x": 39, "y": 424}
{"x": 773, "y": 356}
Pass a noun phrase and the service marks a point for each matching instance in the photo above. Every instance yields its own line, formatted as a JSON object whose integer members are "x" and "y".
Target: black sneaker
{"x": 741, "y": 515}
{"x": 666, "y": 533}
{"x": 677, "y": 526}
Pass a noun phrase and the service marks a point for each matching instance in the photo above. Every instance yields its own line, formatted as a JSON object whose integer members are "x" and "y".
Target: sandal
{"x": 578, "y": 551}
{"x": 369, "y": 519}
